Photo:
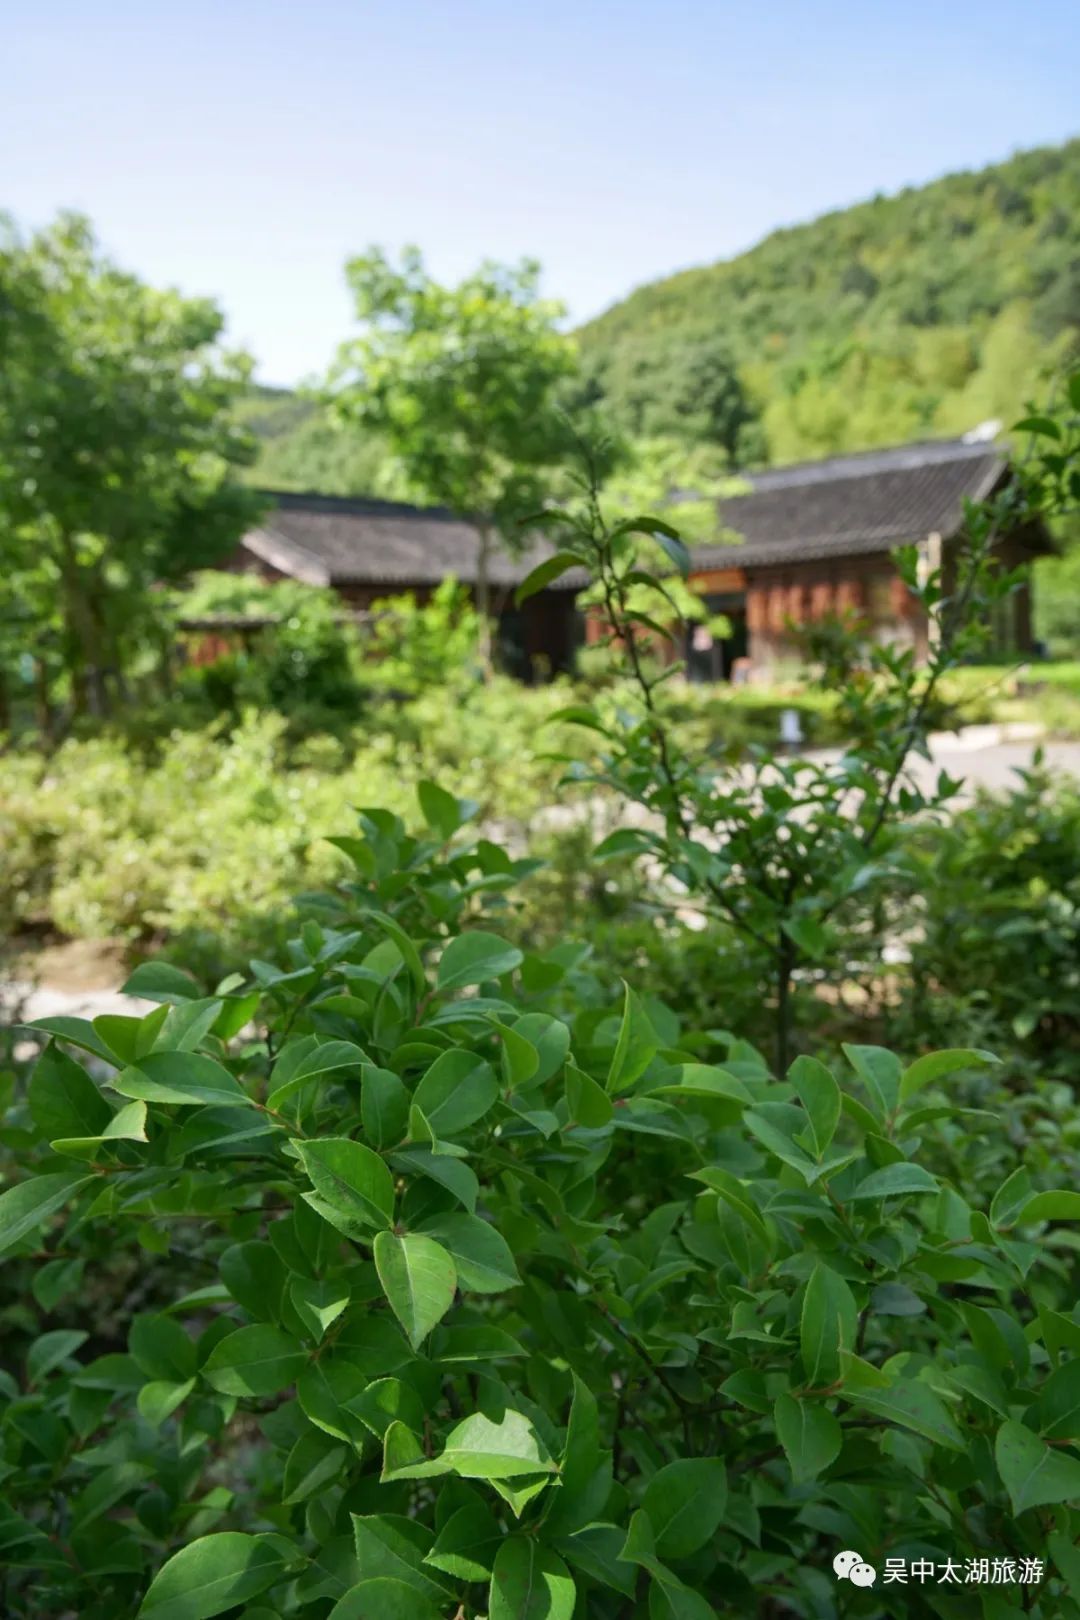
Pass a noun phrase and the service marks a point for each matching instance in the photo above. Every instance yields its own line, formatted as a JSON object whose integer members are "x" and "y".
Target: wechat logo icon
{"x": 850, "y": 1566}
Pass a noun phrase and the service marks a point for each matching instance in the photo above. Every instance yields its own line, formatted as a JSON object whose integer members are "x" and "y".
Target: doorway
{"x": 710, "y": 658}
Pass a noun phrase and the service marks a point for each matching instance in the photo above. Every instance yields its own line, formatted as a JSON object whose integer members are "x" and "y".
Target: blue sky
{"x": 245, "y": 151}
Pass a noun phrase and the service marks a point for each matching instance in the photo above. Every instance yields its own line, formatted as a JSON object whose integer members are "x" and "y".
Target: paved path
{"x": 994, "y": 767}
{"x": 986, "y": 757}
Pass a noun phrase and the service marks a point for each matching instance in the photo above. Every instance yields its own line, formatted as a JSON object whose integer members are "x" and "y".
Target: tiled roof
{"x": 850, "y": 505}
{"x": 336, "y": 540}
{"x": 846, "y": 506}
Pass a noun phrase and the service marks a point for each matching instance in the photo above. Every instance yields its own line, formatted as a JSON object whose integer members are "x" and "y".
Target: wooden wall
{"x": 800, "y": 594}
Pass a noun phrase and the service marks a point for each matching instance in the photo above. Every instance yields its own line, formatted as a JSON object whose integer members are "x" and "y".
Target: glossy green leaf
{"x": 685, "y": 1503}
{"x": 351, "y": 1178}
{"x": 820, "y": 1096}
{"x": 383, "y": 1598}
{"x": 1055, "y": 1413}
{"x": 880, "y": 1072}
{"x": 810, "y": 1435}
{"x": 465, "y": 1547}
{"x": 161, "y": 1349}
{"x": 827, "y": 1325}
{"x": 255, "y": 1360}
{"x": 896, "y": 1181}
{"x": 587, "y": 1102}
{"x": 313, "y": 1465}
{"x": 907, "y": 1402}
{"x": 440, "y": 809}
{"x": 255, "y": 1276}
{"x": 183, "y": 1078}
{"x": 1033, "y": 1473}
{"x": 545, "y": 573}
{"x": 318, "y": 1302}
{"x": 937, "y": 1065}
{"x": 159, "y": 1399}
{"x": 322, "y": 1059}
{"x": 636, "y": 1046}
{"x": 1051, "y": 1206}
{"x": 418, "y": 1279}
{"x": 384, "y": 1106}
{"x": 481, "y": 1255}
{"x": 128, "y": 1124}
{"x": 458, "y": 1178}
{"x": 26, "y": 1207}
{"x": 213, "y": 1574}
{"x": 458, "y": 1089}
{"x": 64, "y": 1101}
{"x": 51, "y": 1350}
{"x": 530, "y": 1582}
{"x": 472, "y": 957}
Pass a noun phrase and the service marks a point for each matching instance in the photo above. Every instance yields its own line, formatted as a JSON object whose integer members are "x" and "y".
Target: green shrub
{"x": 995, "y": 926}
{"x": 217, "y": 828}
{"x": 298, "y": 657}
{"x": 499, "y": 1310}
{"x": 413, "y": 647}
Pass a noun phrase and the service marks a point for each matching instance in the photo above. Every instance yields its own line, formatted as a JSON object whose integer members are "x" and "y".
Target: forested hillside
{"x": 299, "y": 448}
{"x": 903, "y": 317}
{"x": 900, "y": 318}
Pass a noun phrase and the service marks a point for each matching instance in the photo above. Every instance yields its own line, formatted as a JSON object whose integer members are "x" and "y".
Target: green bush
{"x": 217, "y": 828}
{"x": 467, "y": 1297}
{"x": 300, "y": 663}
{"x": 994, "y": 928}
{"x": 413, "y": 647}
{"x": 164, "y": 827}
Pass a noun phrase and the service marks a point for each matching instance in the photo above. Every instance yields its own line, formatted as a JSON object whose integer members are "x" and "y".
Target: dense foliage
{"x": 420, "y": 1270}
{"x": 93, "y": 842}
{"x": 297, "y": 657}
{"x": 515, "y": 1304}
{"x": 788, "y": 853}
{"x": 1000, "y": 958}
{"x": 899, "y": 318}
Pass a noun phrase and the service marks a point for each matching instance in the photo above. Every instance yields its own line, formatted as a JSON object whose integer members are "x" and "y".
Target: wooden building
{"x": 815, "y": 540}
{"x": 368, "y": 550}
{"x": 802, "y": 543}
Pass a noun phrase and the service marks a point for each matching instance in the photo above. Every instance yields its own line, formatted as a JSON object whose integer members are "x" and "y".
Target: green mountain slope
{"x": 299, "y": 448}
{"x": 905, "y": 317}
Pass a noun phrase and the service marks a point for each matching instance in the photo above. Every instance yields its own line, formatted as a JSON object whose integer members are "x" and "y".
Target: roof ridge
{"x": 362, "y": 505}
{"x": 865, "y": 463}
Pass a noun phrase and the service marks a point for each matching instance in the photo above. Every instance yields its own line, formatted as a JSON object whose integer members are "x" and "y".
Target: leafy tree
{"x": 297, "y": 656}
{"x": 415, "y": 646}
{"x": 462, "y": 384}
{"x": 667, "y": 475}
{"x": 117, "y": 447}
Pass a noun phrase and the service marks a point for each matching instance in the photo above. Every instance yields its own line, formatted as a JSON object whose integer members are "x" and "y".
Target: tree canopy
{"x": 462, "y": 384}
{"x": 117, "y": 448}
